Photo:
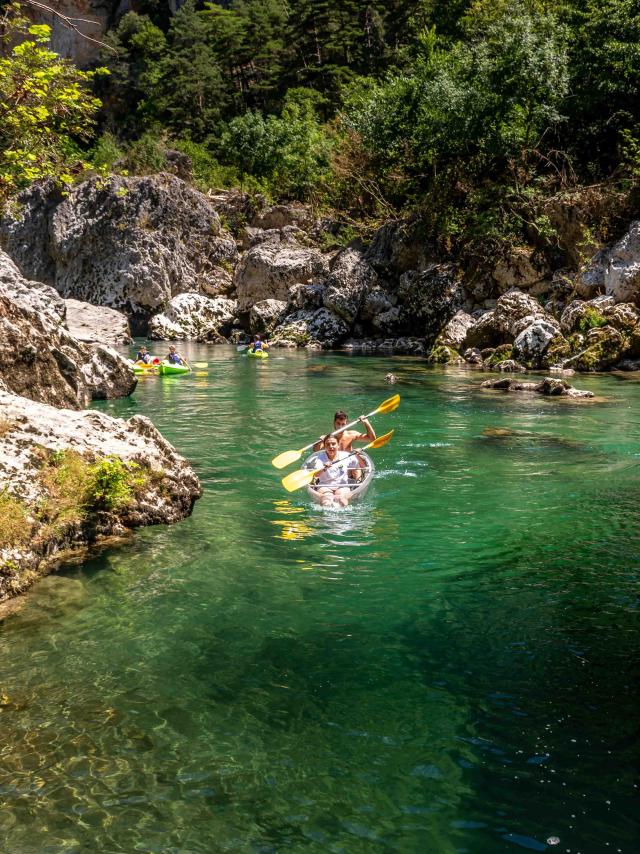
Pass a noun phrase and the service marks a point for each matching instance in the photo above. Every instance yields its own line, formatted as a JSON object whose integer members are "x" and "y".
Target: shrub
{"x": 591, "y": 319}
{"x": 112, "y": 483}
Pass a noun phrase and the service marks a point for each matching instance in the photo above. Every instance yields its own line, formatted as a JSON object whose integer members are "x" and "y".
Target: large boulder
{"x": 350, "y": 279}
{"x": 531, "y": 344}
{"x": 305, "y": 328}
{"x": 193, "y": 316}
{"x": 622, "y": 271}
{"x": 514, "y": 311}
{"x": 603, "y": 348}
{"x": 270, "y": 268}
{"x": 40, "y": 359}
{"x": 454, "y": 333}
{"x": 46, "y": 455}
{"x": 520, "y": 269}
{"x": 280, "y": 216}
{"x": 128, "y": 243}
{"x": 396, "y": 248}
{"x": 96, "y": 324}
{"x": 427, "y": 300}
{"x": 265, "y": 315}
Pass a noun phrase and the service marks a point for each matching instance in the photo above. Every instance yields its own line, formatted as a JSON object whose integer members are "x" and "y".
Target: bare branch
{"x": 70, "y": 22}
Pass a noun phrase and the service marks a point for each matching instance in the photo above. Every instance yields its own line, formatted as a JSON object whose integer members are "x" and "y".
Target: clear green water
{"x": 450, "y": 666}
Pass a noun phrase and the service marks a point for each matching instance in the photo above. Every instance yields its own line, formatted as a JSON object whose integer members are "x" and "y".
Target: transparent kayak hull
{"x": 358, "y": 489}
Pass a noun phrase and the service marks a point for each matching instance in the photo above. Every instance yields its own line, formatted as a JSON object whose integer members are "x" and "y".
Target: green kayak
{"x": 167, "y": 369}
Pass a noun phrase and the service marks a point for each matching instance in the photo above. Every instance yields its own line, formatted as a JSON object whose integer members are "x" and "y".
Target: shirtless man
{"x": 346, "y": 438}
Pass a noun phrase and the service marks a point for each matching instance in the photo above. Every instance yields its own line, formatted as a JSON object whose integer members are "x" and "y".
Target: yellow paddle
{"x": 303, "y": 477}
{"x": 288, "y": 457}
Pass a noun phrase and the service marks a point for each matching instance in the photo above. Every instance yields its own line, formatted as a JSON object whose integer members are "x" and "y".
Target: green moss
{"x": 591, "y": 319}
{"x": 500, "y": 354}
{"x": 558, "y": 350}
{"x": 441, "y": 355}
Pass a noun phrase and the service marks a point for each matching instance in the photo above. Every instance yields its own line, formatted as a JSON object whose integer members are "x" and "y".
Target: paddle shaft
{"x": 341, "y": 430}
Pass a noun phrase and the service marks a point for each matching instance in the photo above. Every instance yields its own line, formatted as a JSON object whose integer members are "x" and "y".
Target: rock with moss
{"x": 498, "y": 355}
{"x": 550, "y": 386}
{"x": 442, "y": 355}
{"x": 604, "y": 347}
{"x": 72, "y": 477}
{"x": 531, "y": 344}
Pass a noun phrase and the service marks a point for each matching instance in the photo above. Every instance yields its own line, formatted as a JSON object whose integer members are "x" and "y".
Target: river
{"x": 449, "y": 666}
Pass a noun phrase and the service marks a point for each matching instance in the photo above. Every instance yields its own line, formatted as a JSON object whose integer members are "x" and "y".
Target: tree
{"x": 45, "y": 107}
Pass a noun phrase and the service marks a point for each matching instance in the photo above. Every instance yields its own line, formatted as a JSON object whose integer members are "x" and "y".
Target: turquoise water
{"x": 449, "y": 666}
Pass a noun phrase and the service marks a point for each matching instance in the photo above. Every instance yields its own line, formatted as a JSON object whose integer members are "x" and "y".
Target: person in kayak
{"x": 143, "y": 357}
{"x": 340, "y": 468}
{"x": 346, "y": 438}
{"x": 174, "y": 358}
{"x": 258, "y": 344}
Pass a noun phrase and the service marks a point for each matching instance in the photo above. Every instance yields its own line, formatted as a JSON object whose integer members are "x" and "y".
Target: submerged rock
{"x": 549, "y": 386}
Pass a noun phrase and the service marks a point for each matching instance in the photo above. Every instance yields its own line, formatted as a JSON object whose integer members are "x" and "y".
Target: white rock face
{"x": 455, "y": 332}
{"x": 269, "y": 269}
{"x": 622, "y": 271}
{"x": 311, "y": 327}
{"x": 193, "y": 316}
{"x": 130, "y": 243}
{"x": 35, "y": 429}
{"x": 265, "y": 315}
{"x": 95, "y": 324}
{"x": 40, "y": 359}
{"x": 533, "y": 341}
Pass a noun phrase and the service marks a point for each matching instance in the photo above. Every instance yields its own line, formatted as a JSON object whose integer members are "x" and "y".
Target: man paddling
{"x": 346, "y": 438}
{"x": 333, "y": 482}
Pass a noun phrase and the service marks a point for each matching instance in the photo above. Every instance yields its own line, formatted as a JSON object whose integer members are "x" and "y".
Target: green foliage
{"x": 591, "y": 319}
{"x": 208, "y": 172}
{"x": 44, "y": 106}
{"x": 112, "y": 483}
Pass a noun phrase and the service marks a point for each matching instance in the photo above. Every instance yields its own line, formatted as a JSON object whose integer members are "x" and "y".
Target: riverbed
{"x": 448, "y": 666}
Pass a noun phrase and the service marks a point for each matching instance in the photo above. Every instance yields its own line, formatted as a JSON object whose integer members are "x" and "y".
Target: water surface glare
{"x": 449, "y": 666}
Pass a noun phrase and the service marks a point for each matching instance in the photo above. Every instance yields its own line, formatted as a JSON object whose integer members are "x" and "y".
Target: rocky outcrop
{"x": 550, "y": 386}
{"x": 318, "y": 328}
{"x": 264, "y": 315}
{"x": 532, "y": 343}
{"x": 128, "y": 243}
{"x": 455, "y": 331}
{"x": 90, "y": 18}
{"x": 94, "y": 324}
{"x": 193, "y": 316}
{"x": 271, "y": 267}
{"x": 350, "y": 279}
{"x": 281, "y": 216}
{"x": 40, "y": 359}
{"x": 56, "y": 467}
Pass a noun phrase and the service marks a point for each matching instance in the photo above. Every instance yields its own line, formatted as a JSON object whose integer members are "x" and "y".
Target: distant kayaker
{"x": 258, "y": 344}
{"x": 143, "y": 356}
{"x": 346, "y": 438}
{"x": 173, "y": 357}
{"x": 333, "y": 482}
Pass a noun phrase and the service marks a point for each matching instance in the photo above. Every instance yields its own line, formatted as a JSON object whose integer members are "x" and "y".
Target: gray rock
{"x": 308, "y": 296}
{"x": 549, "y": 387}
{"x": 531, "y": 344}
{"x": 455, "y": 332}
{"x": 308, "y": 327}
{"x": 377, "y": 301}
{"x": 279, "y": 216}
{"x": 40, "y": 359}
{"x": 169, "y": 493}
{"x": 622, "y": 272}
{"x": 265, "y": 315}
{"x": 193, "y": 316}
{"x": 395, "y": 249}
{"x": 510, "y": 366}
{"x": 502, "y": 324}
{"x": 95, "y": 324}
{"x": 269, "y": 269}
{"x": 127, "y": 243}
{"x": 350, "y": 278}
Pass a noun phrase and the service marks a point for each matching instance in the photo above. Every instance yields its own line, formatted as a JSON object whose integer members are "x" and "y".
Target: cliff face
{"x": 91, "y": 17}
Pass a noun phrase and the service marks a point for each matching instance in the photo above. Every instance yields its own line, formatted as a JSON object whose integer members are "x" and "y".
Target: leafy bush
{"x": 112, "y": 483}
{"x": 591, "y": 319}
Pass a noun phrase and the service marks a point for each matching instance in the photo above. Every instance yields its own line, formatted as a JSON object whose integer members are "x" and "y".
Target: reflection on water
{"x": 446, "y": 666}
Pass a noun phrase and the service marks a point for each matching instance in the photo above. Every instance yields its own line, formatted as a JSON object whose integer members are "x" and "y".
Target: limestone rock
{"x": 193, "y": 316}
{"x": 279, "y": 216}
{"x": 95, "y": 324}
{"x": 622, "y": 273}
{"x": 428, "y": 300}
{"x": 395, "y": 249}
{"x": 303, "y": 328}
{"x": 531, "y": 344}
{"x": 503, "y": 323}
{"x": 265, "y": 315}
{"x": 37, "y": 431}
{"x": 40, "y": 359}
{"x": 350, "y": 278}
{"x": 377, "y": 301}
{"x": 519, "y": 270}
{"x": 307, "y": 296}
{"x": 455, "y": 332}
{"x": 127, "y": 243}
{"x": 270, "y": 268}
{"x": 604, "y": 347}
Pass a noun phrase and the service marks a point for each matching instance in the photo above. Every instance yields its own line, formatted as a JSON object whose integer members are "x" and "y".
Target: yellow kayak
{"x": 258, "y": 354}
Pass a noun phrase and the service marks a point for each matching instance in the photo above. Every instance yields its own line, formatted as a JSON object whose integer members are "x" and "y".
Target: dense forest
{"x": 470, "y": 116}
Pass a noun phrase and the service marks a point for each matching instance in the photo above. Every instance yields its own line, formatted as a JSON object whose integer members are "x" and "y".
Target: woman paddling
{"x": 339, "y": 469}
